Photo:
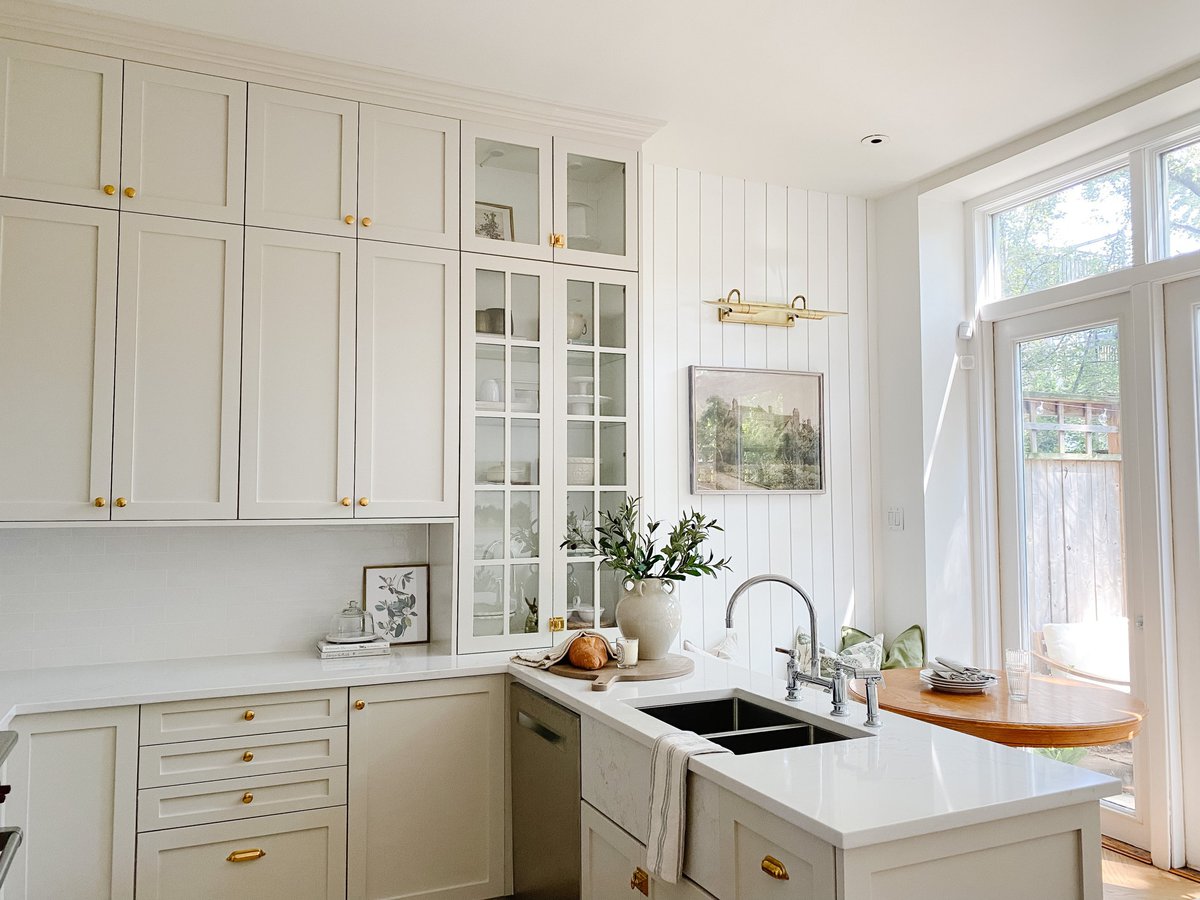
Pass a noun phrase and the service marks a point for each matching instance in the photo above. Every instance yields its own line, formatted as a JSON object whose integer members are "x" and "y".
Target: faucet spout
{"x": 815, "y": 662}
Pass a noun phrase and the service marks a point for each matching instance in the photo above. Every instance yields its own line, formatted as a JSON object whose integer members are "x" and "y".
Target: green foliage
{"x": 1182, "y": 169}
{"x": 1076, "y": 364}
{"x": 1070, "y": 755}
{"x": 756, "y": 446}
{"x": 637, "y": 553}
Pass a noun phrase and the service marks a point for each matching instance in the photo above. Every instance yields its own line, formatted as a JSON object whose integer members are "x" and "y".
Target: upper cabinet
{"x": 61, "y": 118}
{"x": 301, "y": 162}
{"x": 184, "y": 144}
{"x": 543, "y": 198}
{"x": 407, "y": 177}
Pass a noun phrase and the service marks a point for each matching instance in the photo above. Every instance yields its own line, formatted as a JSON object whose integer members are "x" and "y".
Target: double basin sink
{"x": 741, "y": 725}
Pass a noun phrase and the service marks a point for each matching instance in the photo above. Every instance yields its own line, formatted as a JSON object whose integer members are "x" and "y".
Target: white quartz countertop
{"x": 908, "y": 779}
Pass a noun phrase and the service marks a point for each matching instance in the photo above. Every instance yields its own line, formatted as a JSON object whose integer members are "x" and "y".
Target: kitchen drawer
{"x": 290, "y": 751}
{"x": 613, "y": 865}
{"x": 767, "y": 857}
{"x": 193, "y": 720}
{"x": 240, "y": 798}
{"x": 298, "y": 856}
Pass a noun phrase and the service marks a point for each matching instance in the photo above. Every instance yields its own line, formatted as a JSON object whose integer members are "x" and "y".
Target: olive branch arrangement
{"x": 637, "y": 553}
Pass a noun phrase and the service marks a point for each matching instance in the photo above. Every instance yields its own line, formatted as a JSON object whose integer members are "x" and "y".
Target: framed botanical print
{"x": 397, "y": 599}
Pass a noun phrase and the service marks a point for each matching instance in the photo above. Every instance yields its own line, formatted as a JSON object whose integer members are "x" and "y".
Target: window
{"x": 1180, "y": 174}
{"x": 1079, "y": 231}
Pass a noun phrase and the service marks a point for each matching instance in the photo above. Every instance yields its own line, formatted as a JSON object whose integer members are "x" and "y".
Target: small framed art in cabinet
{"x": 397, "y": 599}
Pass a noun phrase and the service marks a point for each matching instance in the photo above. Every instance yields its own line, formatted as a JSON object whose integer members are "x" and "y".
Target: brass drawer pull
{"x": 640, "y": 881}
{"x": 247, "y": 756}
{"x": 774, "y": 868}
{"x": 360, "y": 704}
{"x": 248, "y": 715}
{"x": 246, "y": 855}
{"x": 247, "y": 797}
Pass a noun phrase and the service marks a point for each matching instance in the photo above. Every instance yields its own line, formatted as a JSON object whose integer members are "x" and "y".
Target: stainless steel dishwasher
{"x": 545, "y": 796}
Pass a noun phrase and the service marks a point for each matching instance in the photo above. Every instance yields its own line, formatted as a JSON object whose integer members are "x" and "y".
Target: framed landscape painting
{"x": 397, "y": 599}
{"x": 757, "y": 430}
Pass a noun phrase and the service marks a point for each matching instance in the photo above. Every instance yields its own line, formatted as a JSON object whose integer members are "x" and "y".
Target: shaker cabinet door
{"x": 506, "y": 192}
{"x": 183, "y": 147}
{"x": 60, "y": 115}
{"x": 301, "y": 162}
{"x": 179, "y": 330}
{"x": 595, "y": 204}
{"x": 408, "y": 177}
{"x": 58, "y": 285}
{"x": 406, "y": 447}
{"x": 297, "y": 447}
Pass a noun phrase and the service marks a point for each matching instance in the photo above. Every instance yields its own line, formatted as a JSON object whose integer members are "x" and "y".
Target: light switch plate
{"x": 895, "y": 518}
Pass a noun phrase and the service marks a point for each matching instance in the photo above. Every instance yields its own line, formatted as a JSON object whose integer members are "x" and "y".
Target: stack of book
{"x": 376, "y": 646}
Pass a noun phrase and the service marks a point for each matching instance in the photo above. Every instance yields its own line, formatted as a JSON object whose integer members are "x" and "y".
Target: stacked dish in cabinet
{"x": 243, "y": 797}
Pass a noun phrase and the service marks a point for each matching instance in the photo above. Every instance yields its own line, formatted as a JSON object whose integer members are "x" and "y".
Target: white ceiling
{"x": 779, "y": 90}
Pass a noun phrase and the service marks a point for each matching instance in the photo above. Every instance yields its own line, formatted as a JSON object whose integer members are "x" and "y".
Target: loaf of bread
{"x": 588, "y": 652}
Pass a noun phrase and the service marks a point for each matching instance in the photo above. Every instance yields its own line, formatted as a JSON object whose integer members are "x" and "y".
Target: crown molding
{"x": 126, "y": 38}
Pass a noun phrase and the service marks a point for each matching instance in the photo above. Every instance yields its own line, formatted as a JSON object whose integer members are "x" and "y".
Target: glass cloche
{"x": 351, "y": 625}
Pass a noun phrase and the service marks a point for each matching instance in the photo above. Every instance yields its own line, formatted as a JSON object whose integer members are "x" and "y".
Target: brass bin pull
{"x": 774, "y": 868}
{"x": 640, "y": 881}
{"x": 248, "y": 715}
{"x": 246, "y": 855}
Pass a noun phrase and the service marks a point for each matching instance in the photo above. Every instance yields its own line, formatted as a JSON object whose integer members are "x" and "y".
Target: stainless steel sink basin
{"x": 742, "y": 725}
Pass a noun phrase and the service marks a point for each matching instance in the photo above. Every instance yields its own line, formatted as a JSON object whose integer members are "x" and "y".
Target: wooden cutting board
{"x": 672, "y": 666}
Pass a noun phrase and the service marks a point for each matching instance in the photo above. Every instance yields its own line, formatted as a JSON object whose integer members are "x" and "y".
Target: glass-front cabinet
{"x": 549, "y": 436}
{"x": 536, "y": 197}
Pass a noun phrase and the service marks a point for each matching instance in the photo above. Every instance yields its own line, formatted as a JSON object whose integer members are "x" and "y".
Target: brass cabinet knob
{"x": 130, "y": 192}
{"x": 245, "y": 855}
{"x": 366, "y": 221}
{"x": 774, "y": 868}
{"x": 121, "y": 502}
{"x": 557, "y": 241}
{"x": 247, "y": 797}
{"x": 345, "y": 501}
{"x": 110, "y": 189}
{"x": 248, "y": 715}
{"x": 363, "y": 501}
{"x": 360, "y": 704}
{"x": 99, "y": 502}
{"x": 349, "y": 220}
{"x": 247, "y": 756}
{"x": 640, "y": 881}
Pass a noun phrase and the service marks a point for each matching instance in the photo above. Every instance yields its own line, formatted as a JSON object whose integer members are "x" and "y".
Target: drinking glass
{"x": 1016, "y": 671}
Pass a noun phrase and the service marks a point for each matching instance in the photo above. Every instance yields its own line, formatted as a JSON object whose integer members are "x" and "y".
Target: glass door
{"x": 1183, "y": 398}
{"x": 596, "y": 426}
{"x": 506, "y": 192}
{"x": 506, "y": 442}
{"x": 595, "y": 205}
{"x": 1067, "y": 430}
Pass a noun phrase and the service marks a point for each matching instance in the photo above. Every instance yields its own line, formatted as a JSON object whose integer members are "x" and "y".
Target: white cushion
{"x": 1098, "y": 648}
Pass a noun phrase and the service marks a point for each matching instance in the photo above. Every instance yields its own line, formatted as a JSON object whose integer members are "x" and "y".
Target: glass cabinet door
{"x": 506, "y": 560}
{"x": 595, "y": 205}
{"x": 596, "y": 429}
{"x": 506, "y": 192}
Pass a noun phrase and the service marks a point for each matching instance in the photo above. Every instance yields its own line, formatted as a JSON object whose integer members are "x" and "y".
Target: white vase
{"x": 650, "y": 612}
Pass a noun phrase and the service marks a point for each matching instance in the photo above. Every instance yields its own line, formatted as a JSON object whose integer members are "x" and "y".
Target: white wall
{"x": 702, "y": 236}
{"x": 73, "y": 596}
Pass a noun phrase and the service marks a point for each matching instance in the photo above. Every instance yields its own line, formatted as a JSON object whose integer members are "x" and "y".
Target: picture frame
{"x": 494, "y": 221}
{"x": 396, "y": 597}
{"x": 757, "y": 431}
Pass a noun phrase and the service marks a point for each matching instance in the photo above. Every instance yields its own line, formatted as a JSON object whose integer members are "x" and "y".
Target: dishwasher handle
{"x": 539, "y": 728}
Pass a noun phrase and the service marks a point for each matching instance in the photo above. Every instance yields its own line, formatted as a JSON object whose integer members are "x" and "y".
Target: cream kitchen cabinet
{"x": 58, "y": 271}
{"x": 406, "y": 447}
{"x": 426, "y": 799}
{"x": 765, "y": 857}
{"x": 74, "y": 777}
{"x": 183, "y": 146}
{"x": 60, "y": 112}
{"x": 298, "y": 335}
{"x": 301, "y": 161}
{"x": 175, "y": 435}
{"x": 595, "y": 205}
{"x": 613, "y": 865}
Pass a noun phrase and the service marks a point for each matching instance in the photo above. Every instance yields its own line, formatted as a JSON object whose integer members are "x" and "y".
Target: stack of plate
{"x": 955, "y": 683}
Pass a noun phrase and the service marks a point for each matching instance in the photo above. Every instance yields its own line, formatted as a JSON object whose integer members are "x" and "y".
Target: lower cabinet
{"x": 614, "y": 865}
{"x": 298, "y": 856}
{"x": 765, "y": 857}
{"x": 426, "y": 796}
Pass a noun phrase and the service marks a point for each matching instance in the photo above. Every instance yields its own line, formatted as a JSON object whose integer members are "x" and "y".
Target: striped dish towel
{"x": 668, "y": 799}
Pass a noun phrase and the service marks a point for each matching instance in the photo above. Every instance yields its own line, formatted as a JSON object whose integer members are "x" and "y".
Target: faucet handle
{"x": 791, "y": 654}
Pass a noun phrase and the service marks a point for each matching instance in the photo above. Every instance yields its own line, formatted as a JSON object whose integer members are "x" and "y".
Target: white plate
{"x": 931, "y": 678}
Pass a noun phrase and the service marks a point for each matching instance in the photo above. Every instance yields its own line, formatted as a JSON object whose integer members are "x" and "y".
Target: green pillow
{"x": 907, "y": 651}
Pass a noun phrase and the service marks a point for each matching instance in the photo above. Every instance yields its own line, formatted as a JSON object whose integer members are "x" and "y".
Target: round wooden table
{"x": 1059, "y": 712}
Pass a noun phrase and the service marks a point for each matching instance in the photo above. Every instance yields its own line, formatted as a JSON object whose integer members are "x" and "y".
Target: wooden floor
{"x": 1126, "y": 878}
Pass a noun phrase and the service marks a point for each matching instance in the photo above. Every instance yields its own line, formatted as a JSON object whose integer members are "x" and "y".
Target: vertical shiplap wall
{"x": 702, "y": 236}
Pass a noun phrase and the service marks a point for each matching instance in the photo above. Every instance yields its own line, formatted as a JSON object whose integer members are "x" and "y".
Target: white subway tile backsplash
{"x": 76, "y": 596}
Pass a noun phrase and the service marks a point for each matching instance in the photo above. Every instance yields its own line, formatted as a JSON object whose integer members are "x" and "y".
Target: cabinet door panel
{"x": 184, "y": 144}
{"x": 610, "y": 859}
{"x": 178, "y": 337}
{"x": 297, "y": 455}
{"x": 595, "y": 204}
{"x": 74, "y": 778}
{"x": 61, "y": 118}
{"x": 449, "y": 807}
{"x": 407, "y": 423}
{"x": 57, "y": 322}
{"x": 301, "y": 161}
{"x": 408, "y": 177}
{"x": 506, "y": 192}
